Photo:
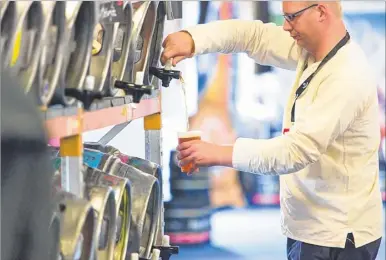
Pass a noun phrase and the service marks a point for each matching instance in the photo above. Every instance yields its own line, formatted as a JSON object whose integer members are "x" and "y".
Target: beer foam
{"x": 189, "y": 134}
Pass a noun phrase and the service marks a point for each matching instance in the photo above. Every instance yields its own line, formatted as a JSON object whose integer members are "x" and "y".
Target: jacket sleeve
{"x": 266, "y": 43}
{"x": 333, "y": 110}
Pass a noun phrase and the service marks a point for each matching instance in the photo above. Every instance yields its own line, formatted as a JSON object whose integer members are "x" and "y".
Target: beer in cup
{"x": 184, "y": 137}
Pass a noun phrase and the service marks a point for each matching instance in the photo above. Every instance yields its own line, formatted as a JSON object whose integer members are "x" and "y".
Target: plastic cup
{"x": 184, "y": 137}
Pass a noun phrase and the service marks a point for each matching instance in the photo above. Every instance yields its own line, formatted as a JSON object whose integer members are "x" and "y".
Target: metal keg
{"x": 139, "y": 163}
{"x": 98, "y": 146}
{"x": 122, "y": 67}
{"x": 103, "y": 47}
{"x": 173, "y": 9}
{"x": 146, "y": 205}
{"x": 156, "y": 42}
{"x": 121, "y": 188}
{"x": 187, "y": 220}
{"x": 145, "y": 166}
{"x": 26, "y": 42}
{"x": 102, "y": 200}
{"x": 146, "y": 199}
{"x": 144, "y": 21}
{"x": 53, "y": 50}
{"x": 107, "y": 149}
{"x": 81, "y": 19}
{"x": 153, "y": 169}
{"x": 77, "y": 224}
{"x": 8, "y": 25}
{"x": 98, "y": 160}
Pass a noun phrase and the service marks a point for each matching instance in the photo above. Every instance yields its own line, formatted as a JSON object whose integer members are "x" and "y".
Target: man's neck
{"x": 330, "y": 40}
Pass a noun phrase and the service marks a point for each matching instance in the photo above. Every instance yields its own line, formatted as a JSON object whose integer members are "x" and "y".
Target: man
{"x": 327, "y": 157}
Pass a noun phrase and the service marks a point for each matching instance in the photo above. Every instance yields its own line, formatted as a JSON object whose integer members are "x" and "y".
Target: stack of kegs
{"x": 68, "y": 51}
{"x": 120, "y": 214}
{"x": 188, "y": 214}
{"x": 260, "y": 190}
{"x": 146, "y": 197}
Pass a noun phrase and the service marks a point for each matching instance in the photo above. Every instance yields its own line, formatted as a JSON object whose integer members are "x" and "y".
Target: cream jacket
{"x": 328, "y": 161}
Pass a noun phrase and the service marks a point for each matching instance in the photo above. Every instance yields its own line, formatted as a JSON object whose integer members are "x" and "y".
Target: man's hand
{"x": 178, "y": 46}
{"x": 202, "y": 153}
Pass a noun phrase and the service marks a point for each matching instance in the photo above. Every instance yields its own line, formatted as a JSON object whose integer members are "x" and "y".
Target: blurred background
{"x": 221, "y": 213}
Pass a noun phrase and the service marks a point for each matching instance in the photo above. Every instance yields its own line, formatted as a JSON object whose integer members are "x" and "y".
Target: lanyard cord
{"x": 305, "y": 84}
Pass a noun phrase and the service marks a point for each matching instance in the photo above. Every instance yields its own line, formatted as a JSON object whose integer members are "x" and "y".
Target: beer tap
{"x": 86, "y": 95}
{"x": 166, "y": 74}
{"x": 137, "y": 89}
{"x": 166, "y": 250}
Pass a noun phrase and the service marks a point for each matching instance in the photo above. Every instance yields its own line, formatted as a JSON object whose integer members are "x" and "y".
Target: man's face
{"x": 302, "y": 22}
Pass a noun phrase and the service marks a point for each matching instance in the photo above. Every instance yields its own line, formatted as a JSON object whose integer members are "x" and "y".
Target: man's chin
{"x": 300, "y": 42}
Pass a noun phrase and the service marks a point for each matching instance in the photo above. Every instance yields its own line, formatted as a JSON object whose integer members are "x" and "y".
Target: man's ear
{"x": 323, "y": 10}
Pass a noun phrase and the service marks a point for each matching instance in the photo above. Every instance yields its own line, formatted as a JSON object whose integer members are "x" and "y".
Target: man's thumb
{"x": 178, "y": 59}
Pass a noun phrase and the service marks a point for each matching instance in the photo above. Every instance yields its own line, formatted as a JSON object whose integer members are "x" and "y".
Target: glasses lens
{"x": 289, "y": 18}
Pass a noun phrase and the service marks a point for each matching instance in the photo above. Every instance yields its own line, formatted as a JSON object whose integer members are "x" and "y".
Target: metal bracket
{"x": 113, "y": 132}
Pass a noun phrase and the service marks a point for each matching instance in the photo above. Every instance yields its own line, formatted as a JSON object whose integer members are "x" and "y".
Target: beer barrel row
{"x": 120, "y": 214}
{"x": 63, "y": 50}
{"x": 260, "y": 191}
{"x": 188, "y": 213}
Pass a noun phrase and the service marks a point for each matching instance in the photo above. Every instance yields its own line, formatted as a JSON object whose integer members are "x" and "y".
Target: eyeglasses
{"x": 291, "y": 17}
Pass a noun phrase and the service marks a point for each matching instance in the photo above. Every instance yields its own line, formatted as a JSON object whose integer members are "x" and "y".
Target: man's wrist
{"x": 225, "y": 156}
{"x": 193, "y": 44}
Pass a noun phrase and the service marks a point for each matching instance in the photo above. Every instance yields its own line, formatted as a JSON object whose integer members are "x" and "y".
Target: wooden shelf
{"x": 78, "y": 121}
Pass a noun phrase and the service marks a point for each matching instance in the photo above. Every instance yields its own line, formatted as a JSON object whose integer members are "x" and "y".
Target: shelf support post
{"x": 153, "y": 152}
{"x": 71, "y": 152}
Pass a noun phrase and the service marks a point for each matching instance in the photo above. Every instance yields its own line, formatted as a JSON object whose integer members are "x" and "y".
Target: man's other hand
{"x": 202, "y": 153}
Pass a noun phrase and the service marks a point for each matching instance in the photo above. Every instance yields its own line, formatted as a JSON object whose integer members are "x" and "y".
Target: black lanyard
{"x": 305, "y": 84}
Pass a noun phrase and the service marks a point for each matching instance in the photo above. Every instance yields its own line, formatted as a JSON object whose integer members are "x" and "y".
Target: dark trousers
{"x": 297, "y": 250}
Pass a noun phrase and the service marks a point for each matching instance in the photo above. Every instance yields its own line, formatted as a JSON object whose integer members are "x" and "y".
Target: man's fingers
{"x": 165, "y": 41}
{"x": 184, "y": 162}
{"x": 192, "y": 170}
{"x": 168, "y": 53}
{"x": 178, "y": 59}
{"x": 184, "y": 146}
{"x": 182, "y": 154}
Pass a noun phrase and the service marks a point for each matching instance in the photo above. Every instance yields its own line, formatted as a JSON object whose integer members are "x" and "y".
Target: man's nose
{"x": 287, "y": 26}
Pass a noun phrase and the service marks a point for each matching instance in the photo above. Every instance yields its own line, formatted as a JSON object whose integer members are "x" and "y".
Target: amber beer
{"x": 184, "y": 137}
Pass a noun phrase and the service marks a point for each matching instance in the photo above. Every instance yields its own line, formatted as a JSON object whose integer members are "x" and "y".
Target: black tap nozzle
{"x": 135, "y": 90}
{"x": 167, "y": 251}
{"x": 87, "y": 97}
{"x": 164, "y": 75}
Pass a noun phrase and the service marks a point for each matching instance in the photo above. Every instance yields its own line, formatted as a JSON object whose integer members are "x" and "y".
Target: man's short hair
{"x": 336, "y": 6}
